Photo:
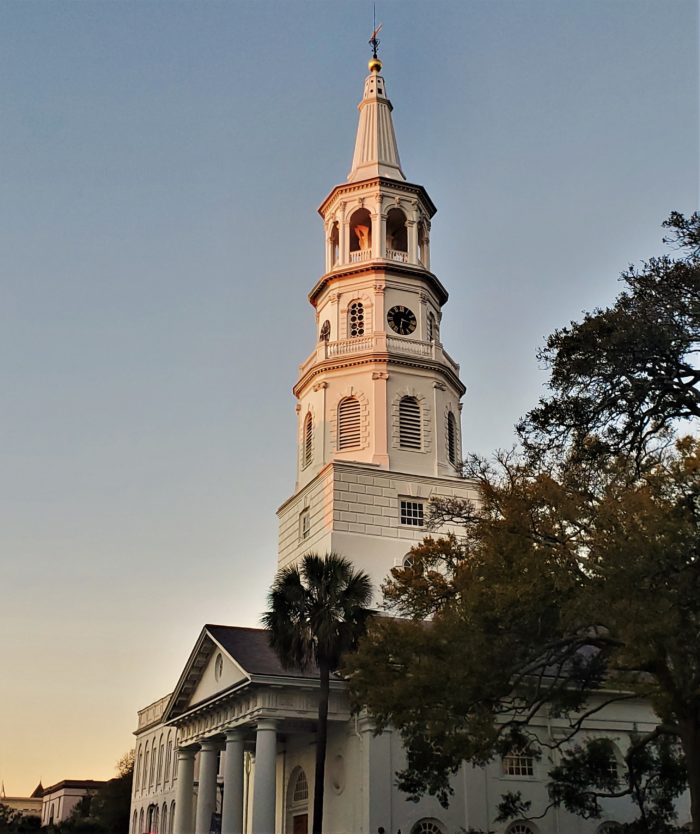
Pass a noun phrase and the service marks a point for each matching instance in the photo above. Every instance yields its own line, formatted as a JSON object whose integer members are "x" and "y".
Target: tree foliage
{"x": 621, "y": 377}
{"x": 317, "y": 612}
{"x": 575, "y": 582}
{"x": 106, "y": 811}
{"x": 14, "y": 821}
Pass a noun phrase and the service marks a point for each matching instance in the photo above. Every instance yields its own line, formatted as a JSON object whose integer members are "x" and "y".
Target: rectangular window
{"x": 518, "y": 763}
{"x": 411, "y": 513}
{"x": 304, "y": 524}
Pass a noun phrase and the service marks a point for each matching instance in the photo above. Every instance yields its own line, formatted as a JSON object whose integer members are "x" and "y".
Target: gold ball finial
{"x": 374, "y": 64}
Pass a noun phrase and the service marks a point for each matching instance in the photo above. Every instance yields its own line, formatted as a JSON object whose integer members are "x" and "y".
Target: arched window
{"x": 152, "y": 771}
{"x": 451, "y": 438}
{"x": 360, "y": 236}
{"x": 134, "y": 823}
{"x": 301, "y": 788}
{"x": 141, "y": 828}
{"x": 161, "y": 756}
{"x": 145, "y": 769}
{"x": 427, "y": 826}
{"x": 164, "y": 819}
{"x": 521, "y": 828}
{"x": 168, "y": 759}
{"x": 137, "y": 769}
{"x": 172, "y": 818}
{"x": 409, "y": 423}
{"x": 356, "y": 319}
{"x": 308, "y": 438}
{"x": 396, "y": 236}
{"x": 349, "y": 423}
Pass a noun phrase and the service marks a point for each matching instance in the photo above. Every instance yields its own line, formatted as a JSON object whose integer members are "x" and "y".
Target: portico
{"x": 235, "y": 723}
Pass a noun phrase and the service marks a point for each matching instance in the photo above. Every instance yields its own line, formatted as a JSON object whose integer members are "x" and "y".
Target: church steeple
{"x": 376, "y": 153}
{"x": 379, "y": 398}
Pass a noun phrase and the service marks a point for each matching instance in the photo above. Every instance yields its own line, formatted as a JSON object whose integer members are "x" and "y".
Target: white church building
{"x": 231, "y": 749}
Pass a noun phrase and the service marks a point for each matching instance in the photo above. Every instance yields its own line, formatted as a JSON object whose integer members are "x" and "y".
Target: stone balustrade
{"x": 379, "y": 343}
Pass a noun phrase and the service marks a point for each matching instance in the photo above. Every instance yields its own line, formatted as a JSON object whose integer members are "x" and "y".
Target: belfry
{"x": 378, "y": 399}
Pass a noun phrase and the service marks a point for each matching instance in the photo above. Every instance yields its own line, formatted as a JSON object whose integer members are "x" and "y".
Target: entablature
{"x": 351, "y": 189}
{"x": 380, "y": 267}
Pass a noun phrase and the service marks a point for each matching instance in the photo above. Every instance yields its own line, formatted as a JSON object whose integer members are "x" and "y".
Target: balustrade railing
{"x": 360, "y": 344}
{"x": 360, "y": 255}
{"x": 397, "y": 255}
{"x": 378, "y": 343}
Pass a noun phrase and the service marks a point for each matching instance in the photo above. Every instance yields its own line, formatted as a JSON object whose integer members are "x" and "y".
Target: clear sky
{"x": 160, "y": 168}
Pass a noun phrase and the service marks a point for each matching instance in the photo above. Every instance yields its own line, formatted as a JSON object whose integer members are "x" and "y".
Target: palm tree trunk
{"x": 690, "y": 742}
{"x": 321, "y": 738}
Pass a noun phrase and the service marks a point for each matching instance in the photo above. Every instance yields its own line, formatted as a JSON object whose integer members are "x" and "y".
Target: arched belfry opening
{"x": 360, "y": 235}
{"x": 396, "y": 235}
{"x": 334, "y": 242}
{"x": 423, "y": 245}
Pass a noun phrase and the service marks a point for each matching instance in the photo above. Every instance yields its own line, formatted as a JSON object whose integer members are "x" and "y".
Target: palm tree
{"x": 317, "y": 612}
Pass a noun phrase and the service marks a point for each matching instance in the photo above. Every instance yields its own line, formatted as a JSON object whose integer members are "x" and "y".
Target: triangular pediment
{"x": 210, "y": 671}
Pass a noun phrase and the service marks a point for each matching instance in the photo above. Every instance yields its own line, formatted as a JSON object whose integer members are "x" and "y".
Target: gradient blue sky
{"x": 160, "y": 168}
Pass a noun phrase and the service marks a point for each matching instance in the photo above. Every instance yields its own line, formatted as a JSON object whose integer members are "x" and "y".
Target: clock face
{"x": 401, "y": 320}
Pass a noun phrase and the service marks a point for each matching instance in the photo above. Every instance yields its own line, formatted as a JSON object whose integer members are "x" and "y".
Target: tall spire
{"x": 376, "y": 153}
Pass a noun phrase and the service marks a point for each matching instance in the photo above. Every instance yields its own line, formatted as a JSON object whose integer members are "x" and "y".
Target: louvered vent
{"x": 409, "y": 423}
{"x": 349, "y": 424}
{"x": 451, "y": 438}
{"x": 308, "y": 439}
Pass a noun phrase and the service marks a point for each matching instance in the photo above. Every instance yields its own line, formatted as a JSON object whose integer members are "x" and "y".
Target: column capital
{"x": 210, "y": 745}
{"x": 184, "y": 753}
{"x": 266, "y": 724}
{"x": 235, "y": 735}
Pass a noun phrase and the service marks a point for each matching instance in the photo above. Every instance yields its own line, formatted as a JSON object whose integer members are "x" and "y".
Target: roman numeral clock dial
{"x": 401, "y": 320}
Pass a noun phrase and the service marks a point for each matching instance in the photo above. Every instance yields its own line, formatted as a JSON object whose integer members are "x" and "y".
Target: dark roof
{"x": 38, "y": 791}
{"x": 250, "y": 647}
{"x": 74, "y": 783}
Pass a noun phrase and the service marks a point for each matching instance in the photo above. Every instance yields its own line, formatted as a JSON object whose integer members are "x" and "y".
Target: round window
{"x": 218, "y": 666}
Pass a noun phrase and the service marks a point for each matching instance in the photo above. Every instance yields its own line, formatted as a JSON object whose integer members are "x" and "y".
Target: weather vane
{"x": 374, "y": 40}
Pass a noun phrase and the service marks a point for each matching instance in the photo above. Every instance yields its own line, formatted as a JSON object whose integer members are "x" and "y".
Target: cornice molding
{"x": 385, "y": 267}
{"x": 382, "y": 182}
{"x": 387, "y": 358}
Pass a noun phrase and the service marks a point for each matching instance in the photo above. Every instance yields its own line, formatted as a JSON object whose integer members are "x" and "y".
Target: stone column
{"x": 382, "y": 233}
{"x": 232, "y": 810}
{"x": 343, "y": 236}
{"x": 184, "y": 791}
{"x": 206, "y": 793}
{"x": 265, "y": 781}
{"x": 412, "y": 232}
